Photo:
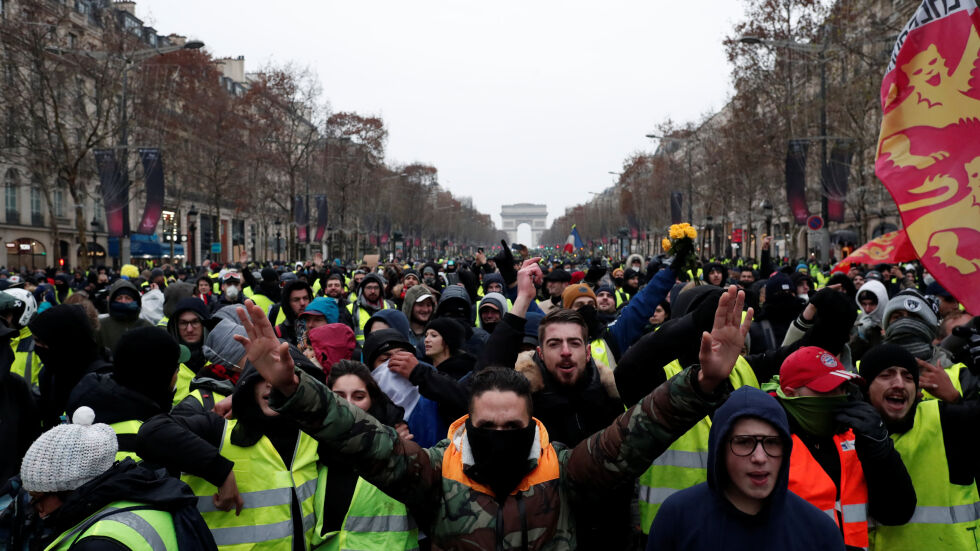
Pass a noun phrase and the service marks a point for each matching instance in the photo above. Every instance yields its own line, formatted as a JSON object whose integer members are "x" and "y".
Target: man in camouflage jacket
{"x": 458, "y": 512}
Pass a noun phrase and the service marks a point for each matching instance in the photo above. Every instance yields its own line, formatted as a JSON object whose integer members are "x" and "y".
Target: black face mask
{"x": 500, "y": 456}
{"x": 591, "y": 316}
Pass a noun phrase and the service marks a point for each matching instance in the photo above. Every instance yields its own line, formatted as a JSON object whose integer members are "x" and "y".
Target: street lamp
{"x": 278, "y": 224}
{"x": 690, "y": 171}
{"x": 191, "y": 229}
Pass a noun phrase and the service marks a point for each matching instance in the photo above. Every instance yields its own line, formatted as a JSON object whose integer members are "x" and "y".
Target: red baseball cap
{"x": 816, "y": 369}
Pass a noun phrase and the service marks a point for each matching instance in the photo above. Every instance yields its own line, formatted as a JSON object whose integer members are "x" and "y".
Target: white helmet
{"x": 29, "y": 310}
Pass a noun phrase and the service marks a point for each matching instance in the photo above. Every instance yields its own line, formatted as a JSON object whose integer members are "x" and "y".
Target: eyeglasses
{"x": 744, "y": 445}
{"x": 185, "y": 324}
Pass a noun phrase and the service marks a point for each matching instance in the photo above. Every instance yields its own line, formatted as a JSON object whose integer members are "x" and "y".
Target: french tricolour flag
{"x": 574, "y": 242}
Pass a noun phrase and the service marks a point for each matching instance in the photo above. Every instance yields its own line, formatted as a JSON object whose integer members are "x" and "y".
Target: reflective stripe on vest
{"x": 266, "y": 485}
{"x": 373, "y": 521}
{"x": 685, "y": 462}
{"x": 126, "y": 436}
{"x": 138, "y": 528}
{"x": 362, "y": 318}
{"x": 808, "y": 480}
{"x": 947, "y": 515}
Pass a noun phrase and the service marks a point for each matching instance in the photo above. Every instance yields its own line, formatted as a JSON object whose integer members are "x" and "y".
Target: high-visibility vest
{"x": 685, "y": 463}
{"x": 808, "y": 480}
{"x": 126, "y": 436}
{"x": 362, "y": 318}
{"x": 182, "y": 388}
{"x": 164, "y": 321}
{"x": 600, "y": 353}
{"x": 262, "y": 301}
{"x": 946, "y": 514}
{"x": 206, "y": 398}
{"x": 621, "y": 298}
{"x": 133, "y": 525}
{"x": 27, "y": 364}
{"x": 373, "y": 521}
{"x": 267, "y": 487}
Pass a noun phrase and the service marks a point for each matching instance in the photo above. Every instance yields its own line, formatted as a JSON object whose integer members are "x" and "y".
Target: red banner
{"x": 889, "y": 248}
{"x": 928, "y": 151}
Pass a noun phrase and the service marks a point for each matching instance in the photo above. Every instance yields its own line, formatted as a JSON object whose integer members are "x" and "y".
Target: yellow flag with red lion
{"x": 929, "y": 147}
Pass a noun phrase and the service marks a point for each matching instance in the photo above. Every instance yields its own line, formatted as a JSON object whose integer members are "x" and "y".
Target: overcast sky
{"x": 512, "y": 100}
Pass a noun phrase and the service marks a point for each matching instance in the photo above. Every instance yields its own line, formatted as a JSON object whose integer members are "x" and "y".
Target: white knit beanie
{"x": 67, "y": 456}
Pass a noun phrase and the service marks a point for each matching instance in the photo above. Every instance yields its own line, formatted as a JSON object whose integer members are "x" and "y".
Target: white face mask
{"x": 231, "y": 292}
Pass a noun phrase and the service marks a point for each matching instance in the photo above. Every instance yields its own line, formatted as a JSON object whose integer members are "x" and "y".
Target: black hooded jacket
{"x": 69, "y": 352}
{"x": 20, "y": 423}
{"x": 196, "y": 305}
{"x": 287, "y": 329}
{"x": 702, "y": 518}
{"x": 127, "y": 481}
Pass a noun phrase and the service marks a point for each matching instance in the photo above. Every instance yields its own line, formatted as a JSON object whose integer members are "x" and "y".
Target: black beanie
{"x": 887, "y": 355}
{"x": 453, "y": 333}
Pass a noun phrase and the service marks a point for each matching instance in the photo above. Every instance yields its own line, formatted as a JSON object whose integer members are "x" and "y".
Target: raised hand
{"x": 721, "y": 347}
{"x": 528, "y": 276}
{"x": 403, "y": 363}
{"x": 934, "y": 380}
{"x": 269, "y": 356}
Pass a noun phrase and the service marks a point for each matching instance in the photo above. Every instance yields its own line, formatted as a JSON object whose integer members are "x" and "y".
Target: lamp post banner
{"x": 302, "y": 219}
{"x": 676, "y": 204}
{"x": 153, "y": 176}
{"x": 835, "y": 180}
{"x": 115, "y": 192}
{"x": 796, "y": 180}
{"x": 928, "y": 155}
{"x": 321, "y": 217}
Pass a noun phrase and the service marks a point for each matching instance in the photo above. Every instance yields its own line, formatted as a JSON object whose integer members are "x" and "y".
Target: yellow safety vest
{"x": 685, "y": 463}
{"x": 373, "y": 521}
{"x": 267, "y": 487}
{"x": 262, "y": 301}
{"x": 600, "y": 353}
{"x": 126, "y": 432}
{"x": 131, "y": 524}
{"x": 362, "y": 318}
{"x": 946, "y": 514}
{"x": 26, "y": 363}
{"x": 182, "y": 389}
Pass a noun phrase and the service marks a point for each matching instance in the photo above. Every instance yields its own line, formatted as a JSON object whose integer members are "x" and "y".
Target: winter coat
{"x": 21, "y": 419}
{"x": 455, "y": 511}
{"x": 702, "y": 518}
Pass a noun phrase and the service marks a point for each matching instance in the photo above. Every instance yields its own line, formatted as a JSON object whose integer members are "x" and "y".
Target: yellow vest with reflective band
{"x": 685, "y": 463}
{"x": 248, "y": 292}
{"x": 182, "y": 389}
{"x": 600, "y": 353}
{"x": 946, "y": 514}
{"x": 163, "y": 322}
{"x": 138, "y": 529}
{"x": 267, "y": 487}
{"x": 316, "y": 287}
{"x": 362, "y": 318}
{"x": 621, "y": 298}
{"x": 26, "y": 363}
{"x": 373, "y": 521}
{"x": 126, "y": 435}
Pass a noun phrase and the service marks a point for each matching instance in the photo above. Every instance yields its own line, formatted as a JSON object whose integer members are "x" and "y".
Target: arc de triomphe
{"x": 514, "y": 215}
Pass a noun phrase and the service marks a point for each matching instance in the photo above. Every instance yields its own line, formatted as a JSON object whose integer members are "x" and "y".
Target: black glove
{"x": 832, "y": 325}
{"x": 863, "y": 418}
{"x": 505, "y": 264}
{"x": 972, "y": 346}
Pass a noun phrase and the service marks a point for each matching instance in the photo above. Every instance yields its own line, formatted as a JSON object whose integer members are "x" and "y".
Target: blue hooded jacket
{"x": 701, "y": 517}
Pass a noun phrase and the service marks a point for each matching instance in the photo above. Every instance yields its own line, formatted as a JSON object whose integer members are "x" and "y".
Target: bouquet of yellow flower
{"x": 681, "y": 246}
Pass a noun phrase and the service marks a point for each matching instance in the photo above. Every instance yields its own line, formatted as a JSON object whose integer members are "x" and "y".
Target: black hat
{"x": 453, "y": 333}
{"x": 384, "y": 340}
{"x": 886, "y": 355}
{"x": 558, "y": 274}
